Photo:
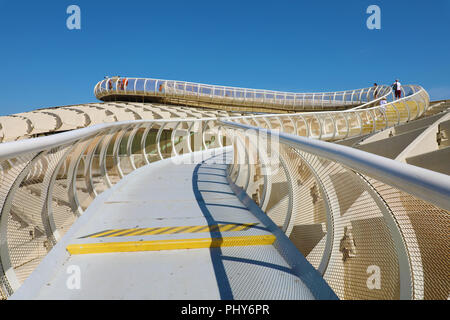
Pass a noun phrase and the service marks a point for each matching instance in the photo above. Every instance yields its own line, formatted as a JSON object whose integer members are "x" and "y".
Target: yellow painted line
{"x": 200, "y": 229}
{"x": 176, "y": 229}
{"x": 231, "y": 227}
{"x": 117, "y": 234}
{"x": 104, "y": 233}
{"x": 189, "y": 230}
{"x": 227, "y": 227}
{"x": 174, "y": 244}
{"x": 170, "y": 230}
{"x": 140, "y": 231}
{"x": 159, "y": 230}
{"x": 244, "y": 227}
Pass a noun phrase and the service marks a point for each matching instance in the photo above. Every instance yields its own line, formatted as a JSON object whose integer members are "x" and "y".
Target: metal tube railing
{"x": 47, "y": 182}
{"x": 57, "y": 177}
{"x": 368, "y": 120}
{"x": 351, "y": 213}
{"x": 424, "y": 184}
{"x": 182, "y": 90}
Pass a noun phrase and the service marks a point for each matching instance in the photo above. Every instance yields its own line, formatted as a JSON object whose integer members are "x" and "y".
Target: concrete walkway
{"x": 168, "y": 205}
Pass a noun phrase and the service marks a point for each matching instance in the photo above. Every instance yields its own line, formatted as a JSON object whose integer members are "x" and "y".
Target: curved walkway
{"x": 209, "y": 245}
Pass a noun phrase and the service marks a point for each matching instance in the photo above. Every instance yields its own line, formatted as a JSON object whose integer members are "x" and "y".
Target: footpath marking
{"x": 170, "y": 230}
{"x": 173, "y": 244}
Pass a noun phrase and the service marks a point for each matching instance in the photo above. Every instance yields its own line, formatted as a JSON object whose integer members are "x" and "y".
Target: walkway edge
{"x": 303, "y": 269}
{"x": 172, "y": 244}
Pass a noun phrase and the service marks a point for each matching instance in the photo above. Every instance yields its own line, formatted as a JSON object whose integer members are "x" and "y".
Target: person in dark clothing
{"x": 397, "y": 87}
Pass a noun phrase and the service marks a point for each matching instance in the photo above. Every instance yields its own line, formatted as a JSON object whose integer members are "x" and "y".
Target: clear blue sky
{"x": 281, "y": 45}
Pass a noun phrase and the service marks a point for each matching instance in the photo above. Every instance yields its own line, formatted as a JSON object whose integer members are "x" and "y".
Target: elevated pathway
{"x": 175, "y": 231}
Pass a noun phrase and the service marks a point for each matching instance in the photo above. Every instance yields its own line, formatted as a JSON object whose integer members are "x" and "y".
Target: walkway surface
{"x": 208, "y": 244}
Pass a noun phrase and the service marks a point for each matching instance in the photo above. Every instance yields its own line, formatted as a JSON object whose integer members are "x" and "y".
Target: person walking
{"x": 375, "y": 91}
{"x": 382, "y": 109}
{"x": 124, "y": 83}
{"x": 397, "y": 87}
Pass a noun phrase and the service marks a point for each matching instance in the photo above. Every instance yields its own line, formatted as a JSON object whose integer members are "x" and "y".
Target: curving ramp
{"x": 231, "y": 98}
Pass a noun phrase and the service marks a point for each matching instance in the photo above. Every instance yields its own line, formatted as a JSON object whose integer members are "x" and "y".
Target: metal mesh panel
{"x": 112, "y": 171}
{"x": 42, "y": 193}
{"x": 11, "y": 170}
{"x": 278, "y": 204}
{"x": 181, "y": 138}
{"x": 341, "y": 125}
{"x": 124, "y": 160}
{"x": 347, "y": 224}
{"x": 98, "y": 166}
{"x": 242, "y": 166}
{"x": 166, "y": 143}
{"x": 302, "y": 127}
{"x": 63, "y": 209}
{"x": 83, "y": 189}
{"x": 308, "y": 226}
{"x": 196, "y": 133}
{"x": 425, "y": 229}
{"x": 28, "y": 234}
{"x": 233, "y": 169}
{"x": 151, "y": 149}
{"x": 256, "y": 184}
{"x": 137, "y": 148}
{"x": 288, "y": 125}
{"x": 328, "y": 125}
{"x": 360, "y": 235}
{"x": 211, "y": 135}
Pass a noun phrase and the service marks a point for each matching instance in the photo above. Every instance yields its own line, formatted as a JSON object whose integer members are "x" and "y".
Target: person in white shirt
{"x": 383, "y": 104}
{"x": 397, "y": 87}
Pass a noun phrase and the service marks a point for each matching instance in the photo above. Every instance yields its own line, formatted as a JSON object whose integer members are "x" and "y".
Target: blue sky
{"x": 280, "y": 45}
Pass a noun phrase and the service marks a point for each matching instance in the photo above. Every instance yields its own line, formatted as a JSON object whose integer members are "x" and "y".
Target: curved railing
{"x": 346, "y": 210}
{"x": 373, "y": 227}
{"x": 366, "y": 118}
{"x": 138, "y": 89}
{"x": 46, "y": 183}
{"x": 338, "y": 125}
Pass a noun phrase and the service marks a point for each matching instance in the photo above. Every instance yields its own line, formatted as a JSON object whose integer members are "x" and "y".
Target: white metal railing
{"x": 47, "y": 182}
{"x": 189, "y": 91}
{"x": 337, "y": 125}
{"x": 318, "y": 191}
{"x": 351, "y": 213}
{"x": 367, "y": 118}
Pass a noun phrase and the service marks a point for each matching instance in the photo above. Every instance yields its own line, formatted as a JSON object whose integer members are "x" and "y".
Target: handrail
{"x": 271, "y": 99}
{"x": 364, "y": 119}
{"x": 388, "y": 92}
{"x": 16, "y": 148}
{"x": 348, "y": 111}
{"x": 113, "y": 150}
{"x": 351, "y": 213}
{"x": 425, "y": 184}
{"x": 356, "y": 121}
{"x": 47, "y": 182}
{"x": 375, "y": 118}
